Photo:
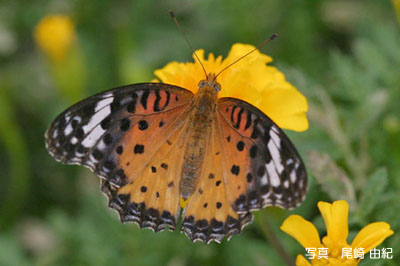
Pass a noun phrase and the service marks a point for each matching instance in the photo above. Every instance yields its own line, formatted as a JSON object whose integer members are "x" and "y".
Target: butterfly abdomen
{"x": 199, "y": 130}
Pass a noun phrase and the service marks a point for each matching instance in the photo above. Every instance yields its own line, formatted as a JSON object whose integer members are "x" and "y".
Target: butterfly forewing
{"x": 127, "y": 136}
{"x": 263, "y": 166}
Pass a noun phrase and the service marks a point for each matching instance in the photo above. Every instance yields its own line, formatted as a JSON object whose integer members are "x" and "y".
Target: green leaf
{"x": 11, "y": 252}
{"x": 373, "y": 190}
{"x": 333, "y": 179}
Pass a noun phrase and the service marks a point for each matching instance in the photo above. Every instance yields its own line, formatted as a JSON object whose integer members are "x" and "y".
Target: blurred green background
{"x": 343, "y": 55}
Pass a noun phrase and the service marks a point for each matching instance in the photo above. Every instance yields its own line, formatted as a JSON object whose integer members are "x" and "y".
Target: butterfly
{"x": 157, "y": 147}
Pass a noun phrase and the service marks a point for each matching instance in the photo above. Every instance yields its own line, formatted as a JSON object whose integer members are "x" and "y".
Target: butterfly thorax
{"x": 199, "y": 130}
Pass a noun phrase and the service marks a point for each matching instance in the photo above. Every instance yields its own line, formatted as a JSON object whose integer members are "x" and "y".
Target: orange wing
{"x": 250, "y": 164}
{"x": 209, "y": 215}
{"x": 128, "y": 136}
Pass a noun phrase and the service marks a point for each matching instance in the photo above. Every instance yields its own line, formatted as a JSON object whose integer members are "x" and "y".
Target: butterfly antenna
{"x": 187, "y": 40}
{"x": 273, "y": 36}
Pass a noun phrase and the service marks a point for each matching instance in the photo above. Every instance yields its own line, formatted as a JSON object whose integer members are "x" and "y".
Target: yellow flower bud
{"x": 55, "y": 35}
{"x": 396, "y": 5}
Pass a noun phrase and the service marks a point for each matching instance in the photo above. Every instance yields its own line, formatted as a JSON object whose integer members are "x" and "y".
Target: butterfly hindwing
{"x": 209, "y": 215}
{"x": 123, "y": 135}
{"x": 153, "y": 196}
{"x": 263, "y": 166}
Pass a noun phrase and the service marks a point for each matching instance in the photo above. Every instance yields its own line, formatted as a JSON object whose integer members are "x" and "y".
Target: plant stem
{"x": 19, "y": 176}
{"x": 269, "y": 234}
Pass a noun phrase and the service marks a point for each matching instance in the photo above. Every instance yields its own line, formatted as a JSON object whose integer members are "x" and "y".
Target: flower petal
{"x": 302, "y": 230}
{"x": 239, "y": 49}
{"x": 179, "y": 74}
{"x": 286, "y": 106}
{"x": 336, "y": 220}
{"x": 372, "y": 236}
{"x": 251, "y": 80}
{"x": 301, "y": 261}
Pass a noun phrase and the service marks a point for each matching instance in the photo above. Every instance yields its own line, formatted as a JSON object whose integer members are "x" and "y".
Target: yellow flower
{"x": 251, "y": 80}
{"x": 396, "y": 4}
{"x": 55, "y": 35}
{"x": 335, "y": 216}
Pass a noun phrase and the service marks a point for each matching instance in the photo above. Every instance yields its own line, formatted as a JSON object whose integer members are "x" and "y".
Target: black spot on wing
{"x": 144, "y": 98}
{"x": 119, "y": 150}
{"x": 168, "y": 98}
{"x": 131, "y": 107}
{"x": 138, "y": 149}
{"x": 156, "y": 107}
{"x": 168, "y": 94}
{"x": 105, "y": 124}
{"x": 248, "y": 120}
{"x": 253, "y": 151}
{"x": 239, "y": 118}
{"x": 249, "y": 177}
{"x": 125, "y": 124}
{"x": 97, "y": 154}
{"x": 232, "y": 113}
{"x": 88, "y": 110}
{"x": 80, "y": 134}
{"x": 240, "y": 145}
{"x": 235, "y": 169}
{"x": 143, "y": 125}
{"x": 255, "y": 133}
{"x": 153, "y": 169}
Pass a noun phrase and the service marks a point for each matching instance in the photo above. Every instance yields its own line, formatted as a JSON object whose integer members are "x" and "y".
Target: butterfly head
{"x": 210, "y": 81}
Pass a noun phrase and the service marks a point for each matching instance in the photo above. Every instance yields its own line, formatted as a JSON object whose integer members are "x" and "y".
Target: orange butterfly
{"x": 158, "y": 147}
